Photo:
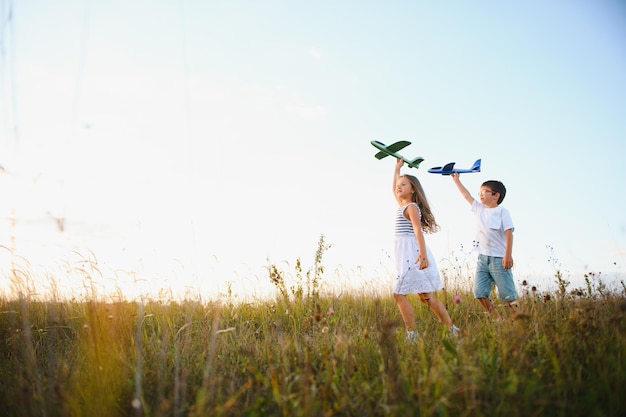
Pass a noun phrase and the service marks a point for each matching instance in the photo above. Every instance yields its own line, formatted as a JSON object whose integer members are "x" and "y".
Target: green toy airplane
{"x": 391, "y": 150}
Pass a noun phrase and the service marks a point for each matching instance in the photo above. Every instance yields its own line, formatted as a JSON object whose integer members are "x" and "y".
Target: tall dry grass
{"x": 309, "y": 353}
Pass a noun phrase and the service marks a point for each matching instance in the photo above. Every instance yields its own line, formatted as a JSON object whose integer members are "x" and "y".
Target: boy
{"x": 495, "y": 244}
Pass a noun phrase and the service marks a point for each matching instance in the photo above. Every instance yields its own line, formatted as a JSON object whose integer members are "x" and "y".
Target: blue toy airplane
{"x": 392, "y": 150}
{"x": 449, "y": 169}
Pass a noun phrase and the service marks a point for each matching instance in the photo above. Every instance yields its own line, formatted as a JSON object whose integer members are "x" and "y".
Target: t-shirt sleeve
{"x": 476, "y": 206}
{"x": 507, "y": 221}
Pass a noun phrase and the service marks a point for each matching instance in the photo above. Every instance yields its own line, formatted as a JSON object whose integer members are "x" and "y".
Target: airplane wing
{"x": 391, "y": 149}
{"x": 395, "y": 147}
{"x": 445, "y": 170}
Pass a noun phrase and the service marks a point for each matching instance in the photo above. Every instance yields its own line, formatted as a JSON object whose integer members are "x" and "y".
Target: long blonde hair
{"x": 429, "y": 224}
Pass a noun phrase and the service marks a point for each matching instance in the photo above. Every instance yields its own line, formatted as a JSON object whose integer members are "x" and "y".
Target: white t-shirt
{"x": 491, "y": 224}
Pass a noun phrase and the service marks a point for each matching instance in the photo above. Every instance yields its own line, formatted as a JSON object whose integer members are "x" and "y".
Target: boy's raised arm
{"x": 464, "y": 191}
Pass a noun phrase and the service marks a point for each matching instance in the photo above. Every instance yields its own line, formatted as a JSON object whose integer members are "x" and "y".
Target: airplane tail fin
{"x": 476, "y": 166}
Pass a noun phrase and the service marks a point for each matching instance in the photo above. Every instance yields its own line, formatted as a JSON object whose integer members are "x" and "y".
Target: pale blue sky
{"x": 189, "y": 142}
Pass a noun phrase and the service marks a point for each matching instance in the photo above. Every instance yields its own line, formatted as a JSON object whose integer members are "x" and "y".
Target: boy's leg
{"x": 513, "y": 307}
{"x": 489, "y": 307}
{"x": 505, "y": 284}
{"x": 483, "y": 282}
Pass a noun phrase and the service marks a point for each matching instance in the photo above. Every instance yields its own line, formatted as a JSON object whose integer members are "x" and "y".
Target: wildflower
{"x": 330, "y": 311}
{"x": 524, "y": 283}
{"x": 457, "y": 299}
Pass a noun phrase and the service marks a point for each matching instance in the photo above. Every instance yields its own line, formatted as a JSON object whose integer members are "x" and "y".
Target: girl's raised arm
{"x": 396, "y": 174}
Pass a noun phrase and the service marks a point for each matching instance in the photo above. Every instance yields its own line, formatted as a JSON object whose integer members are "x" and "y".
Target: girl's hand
{"x": 399, "y": 163}
{"x": 422, "y": 263}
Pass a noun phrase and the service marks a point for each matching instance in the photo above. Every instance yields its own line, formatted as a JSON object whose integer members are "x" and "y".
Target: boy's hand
{"x": 507, "y": 262}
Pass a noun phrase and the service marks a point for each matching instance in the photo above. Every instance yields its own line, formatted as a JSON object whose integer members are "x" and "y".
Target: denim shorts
{"x": 489, "y": 271}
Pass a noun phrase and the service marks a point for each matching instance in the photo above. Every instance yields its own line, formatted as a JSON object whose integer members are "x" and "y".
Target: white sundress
{"x": 410, "y": 279}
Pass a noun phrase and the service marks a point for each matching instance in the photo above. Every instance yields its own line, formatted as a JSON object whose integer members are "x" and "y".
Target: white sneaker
{"x": 412, "y": 335}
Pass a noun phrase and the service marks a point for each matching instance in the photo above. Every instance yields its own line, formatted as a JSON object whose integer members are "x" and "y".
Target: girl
{"x": 415, "y": 265}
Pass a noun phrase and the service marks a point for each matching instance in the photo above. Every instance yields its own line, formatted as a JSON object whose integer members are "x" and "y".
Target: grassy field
{"x": 310, "y": 354}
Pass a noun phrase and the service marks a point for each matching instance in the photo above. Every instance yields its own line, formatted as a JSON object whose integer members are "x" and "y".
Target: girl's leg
{"x": 406, "y": 311}
{"x": 437, "y": 307}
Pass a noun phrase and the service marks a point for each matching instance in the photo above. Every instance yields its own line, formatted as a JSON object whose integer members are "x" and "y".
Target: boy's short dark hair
{"x": 496, "y": 187}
